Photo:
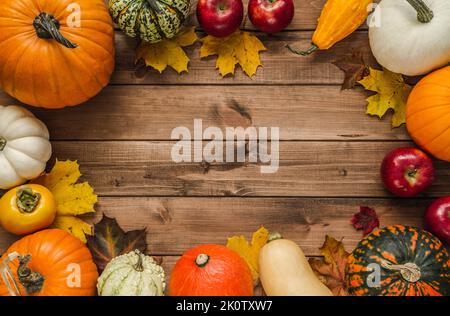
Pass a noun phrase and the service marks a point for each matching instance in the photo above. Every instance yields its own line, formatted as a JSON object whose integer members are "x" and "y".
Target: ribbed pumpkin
{"x": 428, "y": 114}
{"x": 339, "y": 19}
{"x": 55, "y": 53}
{"x": 53, "y": 263}
{"x": 211, "y": 270}
{"x": 151, "y": 20}
{"x": 132, "y": 274}
{"x": 411, "y": 262}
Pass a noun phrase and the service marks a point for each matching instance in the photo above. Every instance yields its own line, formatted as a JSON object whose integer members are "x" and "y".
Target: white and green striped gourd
{"x": 132, "y": 274}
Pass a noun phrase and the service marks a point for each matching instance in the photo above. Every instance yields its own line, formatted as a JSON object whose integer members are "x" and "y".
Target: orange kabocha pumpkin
{"x": 55, "y": 53}
{"x": 211, "y": 270}
{"x": 428, "y": 114}
{"x": 52, "y": 263}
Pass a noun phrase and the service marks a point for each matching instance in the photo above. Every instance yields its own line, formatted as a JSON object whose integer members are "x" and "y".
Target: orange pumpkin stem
{"x": 2, "y": 143}
{"x": 30, "y": 280}
{"x": 202, "y": 260}
{"x": 424, "y": 13}
{"x": 27, "y": 200}
{"x": 47, "y": 27}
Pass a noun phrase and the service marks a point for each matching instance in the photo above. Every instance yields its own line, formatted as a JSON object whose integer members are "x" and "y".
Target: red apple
{"x": 437, "y": 219}
{"x": 407, "y": 171}
{"x": 271, "y": 16}
{"x": 220, "y": 18}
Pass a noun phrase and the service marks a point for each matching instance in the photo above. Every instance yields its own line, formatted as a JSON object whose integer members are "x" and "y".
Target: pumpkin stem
{"x": 202, "y": 260}
{"x": 7, "y": 275}
{"x": 424, "y": 13}
{"x": 27, "y": 200}
{"x": 30, "y": 280}
{"x": 311, "y": 50}
{"x": 274, "y": 236}
{"x": 409, "y": 271}
{"x": 47, "y": 27}
{"x": 154, "y": 5}
{"x": 139, "y": 264}
{"x": 2, "y": 143}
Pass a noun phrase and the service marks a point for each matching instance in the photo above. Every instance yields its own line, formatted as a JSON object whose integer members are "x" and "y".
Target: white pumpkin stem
{"x": 139, "y": 264}
{"x": 424, "y": 13}
{"x": 202, "y": 260}
{"x": 2, "y": 143}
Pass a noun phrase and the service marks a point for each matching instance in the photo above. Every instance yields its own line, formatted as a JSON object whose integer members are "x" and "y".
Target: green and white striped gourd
{"x": 151, "y": 20}
{"x": 132, "y": 274}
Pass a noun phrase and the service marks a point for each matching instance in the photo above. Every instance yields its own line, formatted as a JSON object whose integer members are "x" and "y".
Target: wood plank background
{"x": 330, "y": 151}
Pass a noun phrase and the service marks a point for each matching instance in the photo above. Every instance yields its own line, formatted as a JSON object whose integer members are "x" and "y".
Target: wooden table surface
{"x": 330, "y": 151}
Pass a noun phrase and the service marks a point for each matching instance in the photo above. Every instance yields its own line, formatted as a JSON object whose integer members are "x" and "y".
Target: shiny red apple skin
{"x": 406, "y": 172}
{"x": 220, "y": 18}
{"x": 271, "y": 16}
{"x": 437, "y": 219}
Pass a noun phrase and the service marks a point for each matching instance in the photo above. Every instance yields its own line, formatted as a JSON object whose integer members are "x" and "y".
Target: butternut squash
{"x": 339, "y": 19}
{"x": 285, "y": 271}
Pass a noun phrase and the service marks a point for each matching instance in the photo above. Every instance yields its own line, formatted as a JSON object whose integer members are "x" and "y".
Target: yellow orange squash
{"x": 428, "y": 114}
{"x": 339, "y": 19}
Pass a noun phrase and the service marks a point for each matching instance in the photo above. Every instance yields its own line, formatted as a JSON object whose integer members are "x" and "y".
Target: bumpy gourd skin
{"x": 339, "y": 18}
{"x": 151, "y": 20}
{"x": 393, "y": 247}
{"x": 132, "y": 274}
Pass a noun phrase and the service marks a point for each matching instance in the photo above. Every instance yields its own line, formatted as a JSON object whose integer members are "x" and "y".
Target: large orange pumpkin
{"x": 55, "y": 53}
{"x": 428, "y": 114}
{"x": 211, "y": 270}
{"x": 52, "y": 263}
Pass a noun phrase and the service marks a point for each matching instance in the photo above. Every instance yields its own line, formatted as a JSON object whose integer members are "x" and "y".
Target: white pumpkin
{"x": 402, "y": 43}
{"x": 132, "y": 274}
{"x": 24, "y": 146}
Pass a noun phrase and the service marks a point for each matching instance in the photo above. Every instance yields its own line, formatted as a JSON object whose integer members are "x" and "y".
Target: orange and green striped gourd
{"x": 399, "y": 261}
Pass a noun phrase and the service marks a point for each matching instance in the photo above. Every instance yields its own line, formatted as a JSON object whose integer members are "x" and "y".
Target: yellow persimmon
{"x": 27, "y": 209}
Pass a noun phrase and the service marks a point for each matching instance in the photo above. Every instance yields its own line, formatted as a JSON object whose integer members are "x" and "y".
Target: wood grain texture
{"x": 152, "y": 112}
{"x": 280, "y": 66}
{"x": 176, "y": 224}
{"x": 320, "y": 169}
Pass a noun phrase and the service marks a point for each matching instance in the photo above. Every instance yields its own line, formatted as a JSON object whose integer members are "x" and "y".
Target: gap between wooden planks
{"x": 307, "y": 168}
{"x": 151, "y": 113}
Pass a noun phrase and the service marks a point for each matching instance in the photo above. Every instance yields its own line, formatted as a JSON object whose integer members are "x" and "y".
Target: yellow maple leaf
{"x": 73, "y": 225}
{"x": 168, "y": 52}
{"x": 239, "y": 48}
{"x": 392, "y": 93}
{"x": 250, "y": 252}
{"x": 72, "y": 198}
